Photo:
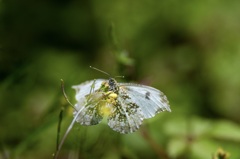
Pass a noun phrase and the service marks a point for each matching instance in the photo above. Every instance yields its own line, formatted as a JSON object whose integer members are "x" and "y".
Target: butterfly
{"x": 126, "y": 105}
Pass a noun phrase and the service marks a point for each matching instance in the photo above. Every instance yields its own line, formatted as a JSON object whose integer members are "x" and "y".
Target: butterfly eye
{"x": 111, "y": 81}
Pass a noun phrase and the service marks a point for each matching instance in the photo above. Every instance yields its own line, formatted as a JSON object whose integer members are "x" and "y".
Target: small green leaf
{"x": 176, "y": 127}
{"x": 180, "y": 126}
{"x": 123, "y": 57}
{"x": 203, "y": 149}
{"x": 199, "y": 126}
{"x": 226, "y": 130}
{"x": 176, "y": 147}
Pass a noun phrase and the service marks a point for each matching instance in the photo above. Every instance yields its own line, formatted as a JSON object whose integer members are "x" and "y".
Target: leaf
{"x": 226, "y": 130}
{"x": 203, "y": 149}
{"x": 123, "y": 57}
{"x": 176, "y": 126}
{"x": 180, "y": 126}
{"x": 176, "y": 147}
{"x": 199, "y": 126}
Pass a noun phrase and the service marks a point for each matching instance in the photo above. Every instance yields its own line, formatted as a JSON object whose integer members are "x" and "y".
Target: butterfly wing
{"x": 84, "y": 89}
{"x": 150, "y": 100}
{"x": 90, "y": 111}
{"x": 88, "y": 102}
{"x": 126, "y": 116}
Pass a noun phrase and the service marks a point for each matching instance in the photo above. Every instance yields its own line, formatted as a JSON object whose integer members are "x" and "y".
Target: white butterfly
{"x": 125, "y": 104}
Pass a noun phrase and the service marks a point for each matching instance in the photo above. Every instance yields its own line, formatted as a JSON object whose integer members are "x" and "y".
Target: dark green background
{"x": 190, "y": 50}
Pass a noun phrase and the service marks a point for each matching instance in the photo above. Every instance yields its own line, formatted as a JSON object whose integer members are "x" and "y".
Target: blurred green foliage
{"x": 187, "y": 49}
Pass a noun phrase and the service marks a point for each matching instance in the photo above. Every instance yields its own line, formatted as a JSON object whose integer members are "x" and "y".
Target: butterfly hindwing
{"x": 90, "y": 114}
{"x": 89, "y": 102}
{"x": 126, "y": 116}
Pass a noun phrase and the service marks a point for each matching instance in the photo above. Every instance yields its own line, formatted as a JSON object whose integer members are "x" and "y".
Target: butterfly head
{"x": 112, "y": 83}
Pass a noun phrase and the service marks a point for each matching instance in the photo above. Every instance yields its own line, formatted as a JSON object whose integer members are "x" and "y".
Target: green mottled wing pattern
{"x": 126, "y": 116}
{"x": 89, "y": 102}
{"x": 89, "y": 114}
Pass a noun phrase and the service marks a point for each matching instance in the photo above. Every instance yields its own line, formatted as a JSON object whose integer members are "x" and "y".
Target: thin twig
{"x": 59, "y": 127}
{"x": 65, "y": 95}
{"x": 59, "y": 146}
{"x": 156, "y": 147}
{"x": 66, "y": 134}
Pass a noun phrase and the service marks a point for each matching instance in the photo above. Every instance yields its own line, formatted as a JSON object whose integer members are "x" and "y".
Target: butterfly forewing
{"x": 150, "y": 100}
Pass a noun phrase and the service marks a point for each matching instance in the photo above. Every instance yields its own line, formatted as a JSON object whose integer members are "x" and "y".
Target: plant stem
{"x": 156, "y": 147}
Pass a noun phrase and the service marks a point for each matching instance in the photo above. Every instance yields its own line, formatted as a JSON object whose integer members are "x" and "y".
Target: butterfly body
{"x": 113, "y": 86}
{"x": 124, "y": 104}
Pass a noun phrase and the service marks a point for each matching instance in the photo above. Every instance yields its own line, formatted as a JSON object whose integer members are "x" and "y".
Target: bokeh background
{"x": 190, "y": 50}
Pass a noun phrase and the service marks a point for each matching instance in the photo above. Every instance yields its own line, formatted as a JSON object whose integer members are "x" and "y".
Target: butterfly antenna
{"x": 100, "y": 70}
{"x": 65, "y": 95}
{"x": 119, "y": 77}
